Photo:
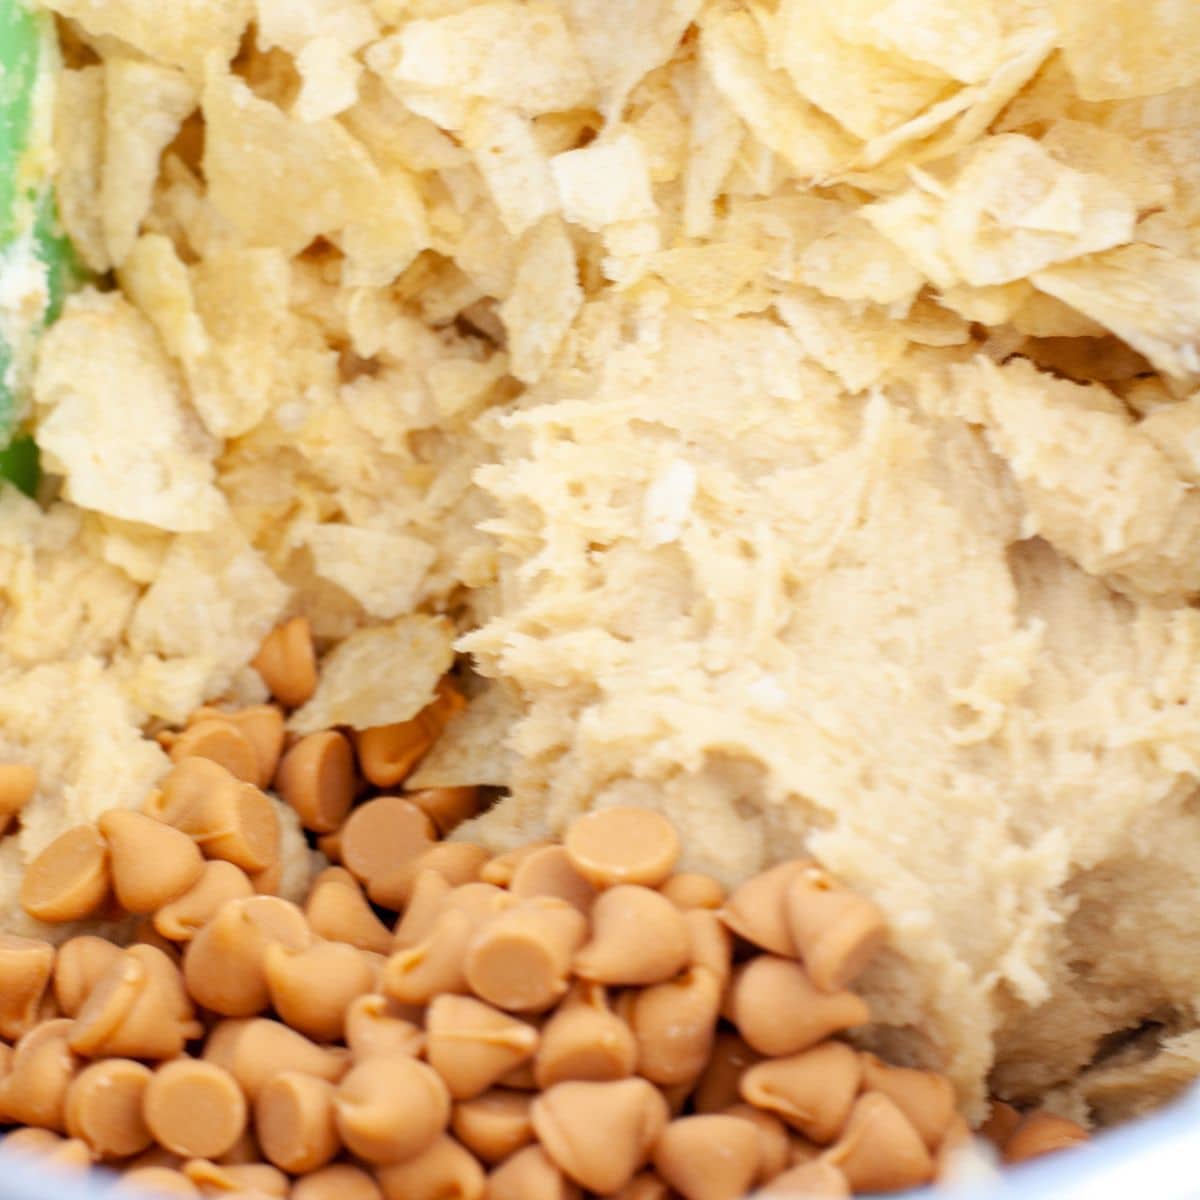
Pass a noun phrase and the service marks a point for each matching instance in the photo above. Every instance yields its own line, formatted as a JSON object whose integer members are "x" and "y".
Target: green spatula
{"x": 36, "y": 262}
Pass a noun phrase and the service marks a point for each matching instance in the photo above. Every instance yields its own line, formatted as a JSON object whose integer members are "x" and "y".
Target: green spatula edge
{"x": 28, "y": 220}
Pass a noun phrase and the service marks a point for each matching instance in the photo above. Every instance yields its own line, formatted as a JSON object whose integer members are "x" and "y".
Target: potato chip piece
{"x": 1122, "y": 160}
{"x": 519, "y": 55}
{"x": 545, "y": 298}
{"x": 214, "y": 600}
{"x": 733, "y": 53}
{"x": 395, "y": 136}
{"x": 292, "y": 24}
{"x": 144, "y": 106}
{"x": 382, "y": 571}
{"x": 707, "y": 275}
{"x": 866, "y": 90}
{"x": 1042, "y": 316}
{"x": 605, "y": 183}
{"x": 1118, "y": 49}
{"x": 473, "y": 749}
{"x": 79, "y": 146}
{"x": 854, "y": 261}
{"x": 995, "y": 305}
{"x": 379, "y": 676}
{"x": 713, "y": 141}
{"x": 196, "y": 29}
{"x": 330, "y": 74}
{"x": 911, "y": 221}
{"x": 280, "y": 181}
{"x": 392, "y": 230}
{"x": 115, "y": 423}
{"x": 1145, "y": 295}
{"x": 513, "y": 166}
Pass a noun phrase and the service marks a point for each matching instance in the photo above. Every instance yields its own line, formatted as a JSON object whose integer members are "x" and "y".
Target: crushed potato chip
{"x": 513, "y": 166}
{"x": 382, "y": 571}
{"x": 605, "y": 183}
{"x": 379, "y": 676}
{"x": 79, "y": 144}
{"x": 473, "y": 748}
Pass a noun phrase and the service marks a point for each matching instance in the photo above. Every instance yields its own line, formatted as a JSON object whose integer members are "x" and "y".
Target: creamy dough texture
{"x": 787, "y": 411}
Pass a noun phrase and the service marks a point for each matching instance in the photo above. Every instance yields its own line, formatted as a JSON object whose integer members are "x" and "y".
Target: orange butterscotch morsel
{"x": 382, "y": 835}
{"x": 34, "y": 1091}
{"x": 813, "y": 1181}
{"x": 295, "y": 1121}
{"x": 18, "y": 783}
{"x": 416, "y": 974}
{"x": 446, "y": 807}
{"x": 69, "y": 879}
{"x": 1042, "y": 1133}
{"x": 263, "y": 727}
{"x": 375, "y": 1027}
{"x": 500, "y": 870}
{"x": 623, "y": 845}
{"x": 237, "y": 1181}
{"x": 646, "y": 1185}
{"x": 638, "y": 937}
{"x": 48, "y": 1149}
{"x": 221, "y": 740}
{"x": 139, "y": 1008}
{"x": 316, "y": 777}
{"x": 521, "y": 958}
{"x": 337, "y": 909}
{"x": 756, "y": 909}
{"x": 224, "y": 964}
{"x": 711, "y": 943}
{"x": 391, "y": 1109}
{"x": 813, "y": 1091}
{"x": 530, "y": 1175}
{"x": 443, "y": 1171}
{"x": 774, "y": 1144}
{"x": 185, "y": 916}
{"x": 494, "y": 1125}
{"x": 388, "y": 753}
{"x": 835, "y": 930}
{"x": 674, "y": 1024}
{"x": 155, "y": 1181}
{"x": 26, "y": 965}
{"x": 287, "y": 663}
{"x": 471, "y": 1045}
{"x": 1001, "y": 1124}
{"x": 708, "y": 1157}
{"x": 926, "y": 1098}
{"x": 194, "y": 1108}
{"x": 430, "y": 893}
{"x": 548, "y": 871}
{"x": 152, "y": 863}
{"x": 254, "y": 1051}
{"x": 689, "y": 889}
{"x": 584, "y": 1039}
{"x": 778, "y": 1010}
{"x": 719, "y": 1084}
{"x": 340, "y": 1181}
{"x": 879, "y": 1149}
{"x": 311, "y": 987}
{"x": 600, "y": 1134}
{"x": 104, "y": 1107}
{"x": 458, "y": 863}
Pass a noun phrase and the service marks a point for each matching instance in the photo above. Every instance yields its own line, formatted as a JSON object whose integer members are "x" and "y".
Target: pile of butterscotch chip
{"x": 565, "y": 1019}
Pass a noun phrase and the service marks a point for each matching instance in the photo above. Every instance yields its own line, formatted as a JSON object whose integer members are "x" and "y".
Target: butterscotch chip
{"x": 616, "y": 845}
{"x": 500, "y": 870}
{"x": 49, "y": 1150}
{"x": 245, "y": 1150}
{"x": 18, "y": 783}
{"x": 26, "y": 965}
{"x": 430, "y": 892}
{"x": 69, "y": 879}
{"x": 529, "y": 1175}
{"x": 1042, "y": 1133}
{"x": 382, "y": 835}
{"x": 295, "y": 1121}
{"x": 340, "y": 1181}
{"x": 813, "y": 1092}
{"x": 31, "y": 1141}
{"x": 156, "y": 1181}
{"x": 388, "y": 753}
{"x": 710, "y": 1157}
{"x": 674, "y": 1025}
{"x": 774, "y": 1145}
{"x": 471, "y": 1045}
{"x": 391, "y": 1109}
{"x": 139, "y": 1008}
{"x": 585, "y": 1040}
{"x": 317, "y": 778}
{"x": 457, "y": 862}
{"x": 376, "y": 1026}
{"x": 494, "y": 1125}
{"x": 880, "y": 1150}
{"x": 224, "y": 964}
{"x": 719, "y": 1083}
{"x": 814, "y": 1180}
{"x": 434, "y": 965}
{"x": 287, "y": 663}
{"x": 778, "y": 1010}
{"x": 689, "y": 889}
{"x": 443, "y": 1169}
{"x": 757, "y": 908}
{"x": 34, "y": 1091}
{"x": 638, "y": 937}
{"x": 104, "y": 1107}
{"x": 548, "y": 871}
{"x": 311, "y": 988}
{"x": 151, "y": 862}
{"x": 1001, "y": 1123}
{"x": 521, "y": 958}
{"x": 194, "y": 1108}
{"x": 646, "y": 1185}
{"x": 447, "y": 807}
{"x": 237, "y": 1181}
{"x": 600, "y": 1134}
{"x": 222, "y": 741}
{"x": 337, "y": 909}
{"x": 183, "y": 917}
{"x": 924, "y": 1097}
{"x": 255, "y": 1051}
{"x": 264, "y": 728}
{"x": 835, "y": 931}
